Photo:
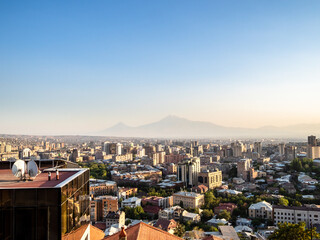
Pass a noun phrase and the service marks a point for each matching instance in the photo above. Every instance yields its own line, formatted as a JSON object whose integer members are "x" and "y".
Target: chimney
{"x": 123, "y": 234}
{"x": 49, "y": 176}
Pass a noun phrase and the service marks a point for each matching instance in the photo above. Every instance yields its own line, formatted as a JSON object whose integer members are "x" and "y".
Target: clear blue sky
{"x": 81, "y": 66}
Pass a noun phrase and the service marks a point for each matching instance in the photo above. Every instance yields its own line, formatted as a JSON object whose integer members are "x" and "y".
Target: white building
{"x": 261, "y": 210}
{"x": 188, "y": 170}
{"x": 131, "y": 202}
{"x": 292, "y": 214}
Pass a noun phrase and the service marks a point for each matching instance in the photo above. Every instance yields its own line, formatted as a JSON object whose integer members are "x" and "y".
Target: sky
{"x": 75, "y": 67}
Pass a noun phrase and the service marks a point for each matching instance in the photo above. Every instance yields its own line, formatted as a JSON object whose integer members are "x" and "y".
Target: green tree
{"x": 180, "y": 230}
{"x": 283, "y": 202}
{"x": 296, "y": 203}
{"x": 289, "y": 231}
{"x": 224, "y": 214}
{"x": 207, "y": 214}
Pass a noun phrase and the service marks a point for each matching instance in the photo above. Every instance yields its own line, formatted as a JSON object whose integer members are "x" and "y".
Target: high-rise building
{"x": 281, "y": 149}
{"x": 44, "y": 208}
{"x": 290, "y": 152}
{"x": 188, "y": 170}
{"x": 243, "y": 167}
{"x": 258, "y": 147}
{"x": 119, "y": 149}
{"x": 237, "y": 149}
{"x": 312, "y": 140}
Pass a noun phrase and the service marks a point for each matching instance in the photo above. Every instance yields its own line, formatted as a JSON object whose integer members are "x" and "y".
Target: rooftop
{"x": 9, "y": 181}
{"x": 187, "y": 194}
{"x": 143, "y": 231}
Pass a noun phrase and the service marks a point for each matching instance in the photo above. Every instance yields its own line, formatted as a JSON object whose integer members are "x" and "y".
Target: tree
{"x": 224, "y": 214}
{"x": 296, "y": 203}
{"x": 283, "y": 202}
{"x": 289, "y": 231}
{"x": 180, "y": 230}
{"x": 207, "y": 214}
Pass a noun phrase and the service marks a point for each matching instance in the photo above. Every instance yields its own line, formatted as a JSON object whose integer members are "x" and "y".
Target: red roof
{"x": 101, "y": 225}
{"x": 95, "y": 233}
{"x": 143, "y": 231}
{"x": 7, "y": 180}
{"x": 151, "y": 209}
{"x": 165, "y": 224}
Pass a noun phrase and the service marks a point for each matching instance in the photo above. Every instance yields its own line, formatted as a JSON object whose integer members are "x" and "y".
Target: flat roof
{"x": 9, "y": 181}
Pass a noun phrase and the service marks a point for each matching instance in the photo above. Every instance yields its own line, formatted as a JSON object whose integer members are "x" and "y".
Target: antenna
{"x": 32, "y": 169}
{"x": 19, "y": 169}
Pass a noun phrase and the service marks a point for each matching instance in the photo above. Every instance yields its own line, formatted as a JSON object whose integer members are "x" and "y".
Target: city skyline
{"x": 75, "y": 68}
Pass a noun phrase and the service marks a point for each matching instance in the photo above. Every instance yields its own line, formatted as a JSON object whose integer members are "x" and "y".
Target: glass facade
{"x": 44, "y": 213}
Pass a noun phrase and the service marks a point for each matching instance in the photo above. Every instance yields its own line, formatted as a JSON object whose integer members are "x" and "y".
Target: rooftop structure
{"x": 60, "y": 204}
{"x": 142, "y": 231}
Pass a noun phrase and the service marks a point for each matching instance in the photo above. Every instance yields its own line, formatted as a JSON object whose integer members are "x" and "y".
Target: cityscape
{"x": 159, "y": 120}
{"x": 174, "y": 188}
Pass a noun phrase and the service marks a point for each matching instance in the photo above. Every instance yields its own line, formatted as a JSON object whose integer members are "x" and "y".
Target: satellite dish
{"x": 19, "y": 168}
{"x": 32, "y": 169}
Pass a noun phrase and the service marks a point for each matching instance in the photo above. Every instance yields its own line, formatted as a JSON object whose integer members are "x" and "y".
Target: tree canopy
{"x": 289, "y": 231}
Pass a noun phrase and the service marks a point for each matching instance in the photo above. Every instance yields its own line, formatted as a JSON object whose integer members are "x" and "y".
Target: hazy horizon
{"x": 78, "y": 67}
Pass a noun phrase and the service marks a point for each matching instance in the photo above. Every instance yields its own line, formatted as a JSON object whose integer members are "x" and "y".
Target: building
{"x": 281, "y": 148}
{"x": 86, "y": 232}
{"x": 142, "y": 231}
{"x": 200, "y": 189}
{"x": 290, "y": 153}
{"x": 210, "y": 179}
{"x": 229, "y": 207}
{"x": 101, "y": 206}
{"x": 292, "y": 214}
{"x": 188, "y": 199}
{"x": 102, "y": 187}
{"x": 166, "y": 225}
{"x": 131, "y": 202}
{"x": 122, "y": 158}
{"x": 188, "y": 216}
{"x": 163, "y": 202}
{"x": 174, "y": 158}
{"x": 118, "y": 149}
{"x": 258, "y": 147}
{"x": 261, "y": 210}
{"x": 188, "y": 170}
{"x": 126, "y": 192}
{"x": 243, "y": 167}
{"x": 313, "y": 152}
{"x": 43, "y": 208}
{"x": 312, "y": 141}
{"x": 117, "y": 217}
{"x": 237, "y": 149}
{"x": 171, "y": 213}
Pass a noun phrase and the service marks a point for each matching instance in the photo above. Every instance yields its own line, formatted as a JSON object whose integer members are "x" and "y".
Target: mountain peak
{"x": 172, "y": 117}
{"x": 120, "y": 124}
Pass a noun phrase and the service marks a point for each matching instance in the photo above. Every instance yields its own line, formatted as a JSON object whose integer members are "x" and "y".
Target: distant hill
{"x": 176, "y": 127}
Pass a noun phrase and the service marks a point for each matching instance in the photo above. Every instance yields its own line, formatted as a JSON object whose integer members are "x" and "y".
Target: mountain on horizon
{"x": 177, "y": 127}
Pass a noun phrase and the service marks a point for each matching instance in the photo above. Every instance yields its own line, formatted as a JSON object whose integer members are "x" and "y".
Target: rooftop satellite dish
{"x": 32, "y": 169}
{"x": 19, "y": 169}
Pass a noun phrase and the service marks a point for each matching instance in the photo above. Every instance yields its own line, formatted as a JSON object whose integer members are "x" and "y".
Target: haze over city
{"x": 77, "y": 68}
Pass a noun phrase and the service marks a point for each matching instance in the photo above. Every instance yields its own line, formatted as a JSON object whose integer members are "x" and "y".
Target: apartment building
{"x": 261, "y": 210}
{"x": 188, "y": 199}
{"x": 293, "y": 214}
